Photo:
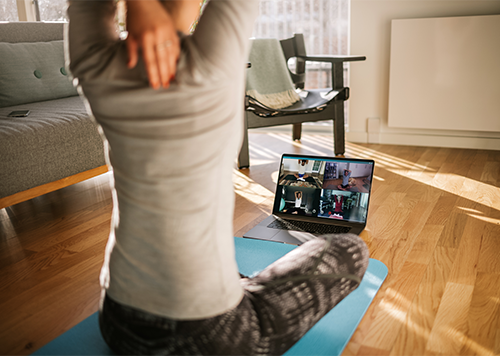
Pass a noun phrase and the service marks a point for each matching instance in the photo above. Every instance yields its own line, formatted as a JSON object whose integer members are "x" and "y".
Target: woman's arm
{"x": 93, "y": 38}
{"x": 223, "y": 32}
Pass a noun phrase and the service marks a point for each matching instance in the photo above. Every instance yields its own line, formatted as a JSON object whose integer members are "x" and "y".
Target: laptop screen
{"x": 324, "y": 187}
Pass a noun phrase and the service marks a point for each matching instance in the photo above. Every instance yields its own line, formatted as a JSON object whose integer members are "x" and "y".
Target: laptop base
{"x": 263, "y": 232}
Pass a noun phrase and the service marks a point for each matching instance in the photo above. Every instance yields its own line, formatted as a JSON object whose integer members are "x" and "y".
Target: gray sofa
{"x": 57, "y": 144}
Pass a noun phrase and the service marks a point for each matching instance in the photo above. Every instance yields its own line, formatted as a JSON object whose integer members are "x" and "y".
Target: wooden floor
{"x": 434, "y": 220}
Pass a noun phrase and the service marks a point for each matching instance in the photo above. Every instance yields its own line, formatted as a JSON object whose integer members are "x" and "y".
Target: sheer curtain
{"x": 8, "y": 10}
{"x": 52, "y": 10}
{"x": 324, "y": 23}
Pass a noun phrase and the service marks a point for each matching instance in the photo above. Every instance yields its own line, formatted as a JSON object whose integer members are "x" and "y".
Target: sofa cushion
{"x": 56, "y": 140}
{"x": 31, "y": 72}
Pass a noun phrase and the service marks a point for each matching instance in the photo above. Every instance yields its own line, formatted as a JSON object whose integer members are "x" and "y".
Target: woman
{"x": 345, "y": 178}
{"x": 170, "y": 280}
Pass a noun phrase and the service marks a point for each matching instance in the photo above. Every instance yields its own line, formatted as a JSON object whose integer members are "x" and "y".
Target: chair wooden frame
{"x": 258, "y": 115}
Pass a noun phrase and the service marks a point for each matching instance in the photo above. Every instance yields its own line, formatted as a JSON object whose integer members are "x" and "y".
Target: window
{"x": 324, "y": 23}
{"x": 52, "y": 10}
{"x": 8, "y": 10}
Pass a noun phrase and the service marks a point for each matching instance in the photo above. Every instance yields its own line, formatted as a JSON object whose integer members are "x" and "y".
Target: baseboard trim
{"x": 481, "y": 143}
{"x": 356, "y": 136}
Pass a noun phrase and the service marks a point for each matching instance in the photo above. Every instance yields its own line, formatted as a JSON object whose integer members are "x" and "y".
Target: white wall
{"x": 369, "y": 80}
{"x": 292, "y": 165}
{"x": 360, "y": 170}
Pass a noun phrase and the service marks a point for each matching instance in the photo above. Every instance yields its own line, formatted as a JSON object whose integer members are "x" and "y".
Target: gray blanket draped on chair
{"x": 268, "y": 80}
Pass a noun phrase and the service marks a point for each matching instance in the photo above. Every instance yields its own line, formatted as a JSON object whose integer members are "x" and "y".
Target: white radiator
{"x": 445, "y": 73}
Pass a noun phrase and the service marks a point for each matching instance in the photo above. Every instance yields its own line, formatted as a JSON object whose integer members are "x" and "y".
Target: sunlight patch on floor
{"x": 385, "y": 159}
{"x": 249, "y": 189}
{"x": 263, "y": 152}
{"x": 486, "y": 219}
{"x": 255, "y": 162}
{"x": 480, "y": 192}
{"x": 297, "y": 144}
{"x": 394, "y": 305}
{"x": 6, "y": 225}
{"x": 461, "y": 339}
{"x": 468, "y": 188}
{"x": 391, "y": 310}
{"x": 274, "y": 176}
{"x": 479, "y": 215}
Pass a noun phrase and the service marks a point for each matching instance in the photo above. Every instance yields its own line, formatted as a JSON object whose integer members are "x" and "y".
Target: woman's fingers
{"x": 167, "y": 53}
{"x": 152, "y": 30}
{"x": 132, "y": 49}
{"x": 150, "y": 60}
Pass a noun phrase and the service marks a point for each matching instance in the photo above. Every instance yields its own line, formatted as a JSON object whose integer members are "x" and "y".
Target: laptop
{"x": 317, "y": 195}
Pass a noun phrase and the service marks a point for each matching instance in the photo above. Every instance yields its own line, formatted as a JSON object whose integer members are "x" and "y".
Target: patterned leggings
{"x": 279, "y": 306}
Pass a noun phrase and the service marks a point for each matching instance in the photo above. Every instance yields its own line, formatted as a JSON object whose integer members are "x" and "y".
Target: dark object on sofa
{"x": 57, "y": 144}
{"x": 314, "y": 105}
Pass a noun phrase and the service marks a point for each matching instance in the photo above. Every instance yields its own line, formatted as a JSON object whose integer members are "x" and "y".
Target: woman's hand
{"x": 151, "y": 28}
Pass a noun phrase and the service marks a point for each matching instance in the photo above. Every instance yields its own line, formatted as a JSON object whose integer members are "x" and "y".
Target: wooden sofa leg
{"x": 297, "y": 132}
{"x": 50, "y": 187}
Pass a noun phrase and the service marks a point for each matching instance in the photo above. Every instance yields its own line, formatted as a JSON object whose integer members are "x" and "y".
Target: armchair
{"x": 314, "y": 105}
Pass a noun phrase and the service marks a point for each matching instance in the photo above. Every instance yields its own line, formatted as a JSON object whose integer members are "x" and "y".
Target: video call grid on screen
{"x": 324, "y": 187}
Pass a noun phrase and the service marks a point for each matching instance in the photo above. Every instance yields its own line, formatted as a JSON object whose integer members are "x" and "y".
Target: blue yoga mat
{"x": 328, "y": 337}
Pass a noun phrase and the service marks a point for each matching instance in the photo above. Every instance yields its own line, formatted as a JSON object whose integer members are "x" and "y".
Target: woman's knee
{"x": 343, "y": 254}
{"x": 348, "y": 251}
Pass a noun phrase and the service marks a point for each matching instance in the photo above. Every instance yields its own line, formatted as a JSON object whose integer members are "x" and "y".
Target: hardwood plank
{"x": 412, "y": 339}
{"x": 388, "y": 218}
{"x": 489, "y": 261}
{"x": 241, "y": 222}
{"x": 465, "y": 155}
{"x": 484, "y": 316}
{"x": 10, "y": 308}
{"x": 53, "y": 319}
{"x": 30, "y": 273}
{"x": 11, "y": 252}
{"x": 395, "y": 254}
{"x": 50, "y": 210}
{"x": 476, "y": 169}
{"x": 496, "y": 349}
{"x": 68, "y": 228}
{"x": 441, "y": 211}
{"x": 448, "y": 332}
{"x": 423, "y": 193}
{"x": 392, "y": 310}
{"x": 493, "y": 155}
{"x": 490, "y": 172}
{"x": 372, "y": 351}
{"x": 422, "y": 223}
{"x": 465, "y": 267}
{"x": 448, "y": 181}
{"x": 455, "y": 224}
{"x": 425, "y": 244}
{"x": 484, "y": 193}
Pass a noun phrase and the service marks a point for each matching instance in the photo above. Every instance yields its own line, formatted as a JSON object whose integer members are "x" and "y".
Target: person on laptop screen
{"x": 345, "y": 178}
{"x": 301, "y": 175}
{"x": 170, "y": 279}
{"x": 298, "y": 199}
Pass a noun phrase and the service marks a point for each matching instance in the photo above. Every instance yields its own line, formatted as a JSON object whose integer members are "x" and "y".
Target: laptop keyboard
{"x": 305, "y": 226}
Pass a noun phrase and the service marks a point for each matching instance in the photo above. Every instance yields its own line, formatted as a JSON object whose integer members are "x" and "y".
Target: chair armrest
{"x": 332, "y": 59}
